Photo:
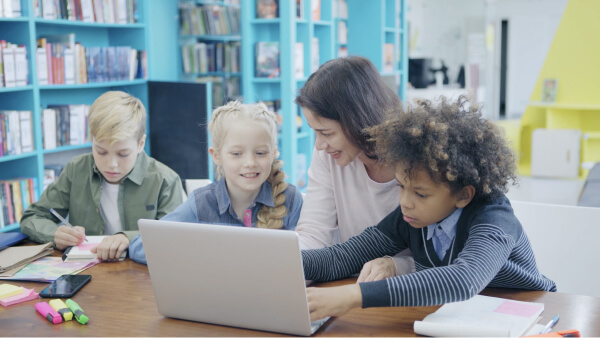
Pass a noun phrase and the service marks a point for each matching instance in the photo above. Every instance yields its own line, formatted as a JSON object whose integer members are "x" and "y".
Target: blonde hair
{"x": 117, "y": 116}
{"x": 235, "y": 111}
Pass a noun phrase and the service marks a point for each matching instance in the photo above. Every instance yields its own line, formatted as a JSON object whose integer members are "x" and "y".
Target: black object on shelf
{"x": 178, "y": 127}
{"x": 420, "y": 75}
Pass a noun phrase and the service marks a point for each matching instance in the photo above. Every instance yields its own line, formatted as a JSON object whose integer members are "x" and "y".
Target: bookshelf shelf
{"x": 71, "y": 23}
{"x": 17, "y": 157}
{"x": 26, "y": 30}
{"x": 15, "y": 89}
{"x": 18, "y": 19}
{"x": 211, "y": 37}
{"x": 12, "y": 227}
{"x": 67, "y": 148}
{"x": 94, "y": 85}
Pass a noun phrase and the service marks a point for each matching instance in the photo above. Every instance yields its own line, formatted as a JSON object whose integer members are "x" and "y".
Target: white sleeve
{"x": 318, "y": 223}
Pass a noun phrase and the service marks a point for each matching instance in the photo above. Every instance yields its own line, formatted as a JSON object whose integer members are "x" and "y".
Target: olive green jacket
{"x": 151, "y": 190}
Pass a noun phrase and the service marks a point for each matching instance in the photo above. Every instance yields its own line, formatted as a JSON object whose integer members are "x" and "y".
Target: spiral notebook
{"x": 481, "y": 316}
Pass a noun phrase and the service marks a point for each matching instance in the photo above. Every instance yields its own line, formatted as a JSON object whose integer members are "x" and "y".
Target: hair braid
{"x": 273, "y": 217}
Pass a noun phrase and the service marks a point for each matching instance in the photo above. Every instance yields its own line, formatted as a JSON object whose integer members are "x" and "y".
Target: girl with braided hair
{"x": 250, "y": 189}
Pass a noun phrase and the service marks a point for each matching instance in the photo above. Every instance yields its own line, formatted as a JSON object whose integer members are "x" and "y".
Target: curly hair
{"x": 452, "y": 142}
{"x": 222, "y": 118}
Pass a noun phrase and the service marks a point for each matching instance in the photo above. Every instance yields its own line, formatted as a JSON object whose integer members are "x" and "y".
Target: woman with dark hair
{"x": 349, "y": 188}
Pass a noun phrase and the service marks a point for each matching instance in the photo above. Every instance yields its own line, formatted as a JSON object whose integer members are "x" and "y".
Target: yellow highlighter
{"x": 62, "y": 309}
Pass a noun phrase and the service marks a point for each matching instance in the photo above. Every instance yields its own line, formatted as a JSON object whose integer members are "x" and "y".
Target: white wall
{"x": 439, "y": 29}
{"x": 531, "y": 28}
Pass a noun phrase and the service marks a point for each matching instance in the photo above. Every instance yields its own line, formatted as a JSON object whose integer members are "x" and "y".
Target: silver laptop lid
{"x": 244, "y": 277}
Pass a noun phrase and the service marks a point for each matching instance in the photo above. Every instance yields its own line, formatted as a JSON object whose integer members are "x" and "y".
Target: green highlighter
{"x": 77, "y": 311}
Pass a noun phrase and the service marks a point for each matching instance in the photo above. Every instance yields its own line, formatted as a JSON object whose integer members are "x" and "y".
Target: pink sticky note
{"x": 517, "y": 309}
{"x": 87, "y": 246}
{"x": 28, "y": 294}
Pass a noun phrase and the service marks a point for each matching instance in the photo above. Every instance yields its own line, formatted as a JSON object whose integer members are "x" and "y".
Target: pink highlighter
{"x": 48, "y": 312}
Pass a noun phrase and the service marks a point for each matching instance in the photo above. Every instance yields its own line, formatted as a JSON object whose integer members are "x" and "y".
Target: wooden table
{"x": 120, "y": 302}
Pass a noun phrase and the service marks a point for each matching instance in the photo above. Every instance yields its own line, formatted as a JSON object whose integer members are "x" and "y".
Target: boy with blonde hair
{"x": 107, "y": 191}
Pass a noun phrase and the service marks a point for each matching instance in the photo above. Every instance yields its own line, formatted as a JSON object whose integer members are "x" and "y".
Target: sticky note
{"x": 28, "y": 294}
{"x": 517, "y": 308}
{"x": 8, "y": 290}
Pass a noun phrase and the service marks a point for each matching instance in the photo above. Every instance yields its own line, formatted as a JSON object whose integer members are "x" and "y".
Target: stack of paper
{"x": 481, "y": 316}
{"x": 23, "y": 296}
{"x": 14, "y": 258}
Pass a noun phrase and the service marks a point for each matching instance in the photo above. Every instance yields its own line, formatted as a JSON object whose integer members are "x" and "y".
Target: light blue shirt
{"x": 443, "y": 232}
{"x": 212, "y": 204}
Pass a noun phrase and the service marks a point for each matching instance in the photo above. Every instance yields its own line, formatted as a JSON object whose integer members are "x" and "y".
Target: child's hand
{"x": 377, "y": 269}
{"x": 65, "y": 236}
{"x": 111, "y": 248}
{"x": 334, "y": 301}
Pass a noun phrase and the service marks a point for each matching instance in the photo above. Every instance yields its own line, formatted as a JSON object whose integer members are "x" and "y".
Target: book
{"x": 299, "y": 9}
{"x": 480, "y": 316}
{"x": 299, "y": 60}
{"x": 316, "y": 10}
{"x": 83, "y": 251}
{"x": 388, "y": 57}
{"x": 549, "y": 93}
{"x": 267, "y": 9}
{"x": 268, "y": 59}
{"x": 314, "y": 54}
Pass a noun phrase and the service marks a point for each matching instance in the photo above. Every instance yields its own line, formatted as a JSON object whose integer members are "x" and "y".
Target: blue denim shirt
{"x": 212, "y": 204}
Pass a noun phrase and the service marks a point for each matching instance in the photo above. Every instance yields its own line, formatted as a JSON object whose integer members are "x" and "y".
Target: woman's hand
{"x": 111, "y": 248}
{"x": 377, "y": 269}
{"x": 333, "y": 301}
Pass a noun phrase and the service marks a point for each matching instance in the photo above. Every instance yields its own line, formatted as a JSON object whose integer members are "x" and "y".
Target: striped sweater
{"x": 490, "y": 249}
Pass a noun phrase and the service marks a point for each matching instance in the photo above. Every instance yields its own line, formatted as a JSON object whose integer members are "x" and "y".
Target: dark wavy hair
{"x": 452, "y": 142}
{"x": 351, "y": 91}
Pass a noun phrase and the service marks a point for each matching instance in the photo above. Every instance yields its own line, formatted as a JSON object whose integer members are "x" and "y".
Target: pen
{"x": 60, "y": 218}
{"x": 77, "y": 311}
{"x": 550, "y": 324}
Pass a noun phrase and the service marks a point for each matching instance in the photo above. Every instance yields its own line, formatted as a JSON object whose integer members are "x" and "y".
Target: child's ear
{"x": 215, "y": 156}
{"x": 465, "y": 196}
{"x": 142, "y": 143}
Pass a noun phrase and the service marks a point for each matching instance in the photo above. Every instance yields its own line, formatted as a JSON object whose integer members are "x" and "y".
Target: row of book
{"x": 204, "y": 57}
{"x": 64, "y": 125}
{"x": 10, "y": 8}
{"x": 63, "y": 61}
{"x": 208, "y": 19}
{"x": 14, "y": 65}
{"x": 267, "y": 61}
{"x": 16, "y": 132}
{"x": 223, "y": 88}
{"x": 15, "y": 196}
{"x": 99, "y": 11}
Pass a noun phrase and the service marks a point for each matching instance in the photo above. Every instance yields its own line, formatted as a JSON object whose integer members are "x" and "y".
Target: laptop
{"x": 243, "y": 277}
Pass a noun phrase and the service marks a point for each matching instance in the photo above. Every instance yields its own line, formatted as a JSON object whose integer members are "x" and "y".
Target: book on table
{"x": 84, "y": 250}
{"x": 481, "y": 316}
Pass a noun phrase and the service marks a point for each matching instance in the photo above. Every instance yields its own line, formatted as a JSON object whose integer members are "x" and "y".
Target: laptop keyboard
{"x": 317, "y": 324}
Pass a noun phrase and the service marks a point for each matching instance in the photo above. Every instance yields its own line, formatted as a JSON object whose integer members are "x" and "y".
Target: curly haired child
{"x": 453, "y": 168}
{"x": 250, "y": 190}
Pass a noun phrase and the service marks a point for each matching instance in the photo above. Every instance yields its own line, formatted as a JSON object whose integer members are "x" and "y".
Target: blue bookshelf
{"x": 296, "y": 138}
{"x": 25, "y": 30}
{"x": 371, "y": 25}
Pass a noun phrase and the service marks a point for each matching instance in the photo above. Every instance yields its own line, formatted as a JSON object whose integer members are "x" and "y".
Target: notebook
{"x": 82, "y": 251}
{"x": 481, "y": 316}
{"x": 227, "y": 275}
